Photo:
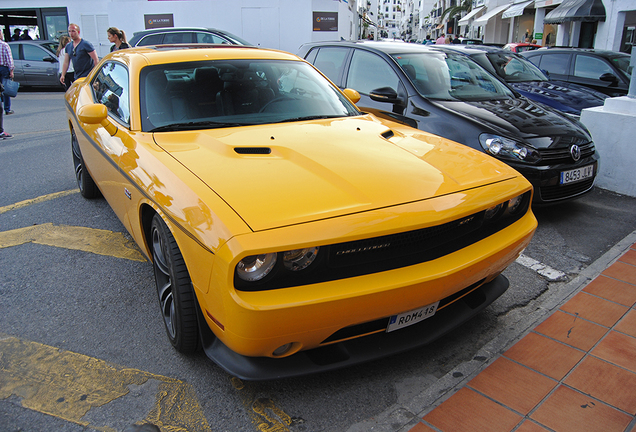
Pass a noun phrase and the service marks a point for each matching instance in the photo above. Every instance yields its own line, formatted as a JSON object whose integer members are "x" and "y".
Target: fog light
{"x": 282, "y": 350}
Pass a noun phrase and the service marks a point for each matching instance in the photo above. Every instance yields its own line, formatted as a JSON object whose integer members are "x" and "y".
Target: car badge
{"x": 575, "y": 151}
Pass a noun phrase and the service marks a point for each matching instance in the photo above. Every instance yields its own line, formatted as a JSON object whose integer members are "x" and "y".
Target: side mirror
{"x": 96, "y": 114}
{"x": 609, "y": 77}
{"x": 352, "y": 94}
{"x": 49, "y": 59}
{"x": 385, "y": 94}
{"x": 546, "y": 73}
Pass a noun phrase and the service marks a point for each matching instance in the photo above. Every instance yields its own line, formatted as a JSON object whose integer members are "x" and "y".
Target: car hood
{"x": 291, "y": 173}
{"x": 520, "y": 117}
{"x": 571, "y": 97}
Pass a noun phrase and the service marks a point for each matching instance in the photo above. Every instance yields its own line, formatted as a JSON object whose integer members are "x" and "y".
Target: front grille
{"x": 551, "y": 156}
{"x": 378, "y": 254}
{"x": 553, "y": 193}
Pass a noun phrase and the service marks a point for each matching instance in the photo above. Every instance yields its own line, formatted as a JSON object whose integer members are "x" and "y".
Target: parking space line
{"x": 97, "y": 241}
{"x": 544, "y": 270}
{"x": 37, "y": 200}
{"x": 91, "y": 392}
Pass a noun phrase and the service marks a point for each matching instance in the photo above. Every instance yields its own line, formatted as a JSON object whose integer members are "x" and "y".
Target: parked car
{"x": 605, "y": 71}
{"x": 448, "y": 94}
{"x": 521, "y": 47}
{"x": 527, "y": 79}
{"x": 468, "y": 41}
{"x": 187, "y": 35}
{"x": 36, "y": 63}
{"x": 289, "y": 232}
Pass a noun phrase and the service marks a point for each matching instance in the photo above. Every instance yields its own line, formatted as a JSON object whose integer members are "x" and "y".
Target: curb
{"x": 401, "y": 417}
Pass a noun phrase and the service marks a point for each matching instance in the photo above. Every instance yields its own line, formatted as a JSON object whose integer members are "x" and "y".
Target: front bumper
{"x": 354, "y": 351}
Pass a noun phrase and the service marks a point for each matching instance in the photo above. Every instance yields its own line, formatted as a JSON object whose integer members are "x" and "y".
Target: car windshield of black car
{"x": 227, "y": 93}
{"x": 451, "y": 77}
{"x": 514, "y": 68}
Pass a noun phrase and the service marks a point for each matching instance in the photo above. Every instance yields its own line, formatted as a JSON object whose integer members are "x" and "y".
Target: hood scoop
{"x": 388, "y": 134}
{"x": 252, "y": 150}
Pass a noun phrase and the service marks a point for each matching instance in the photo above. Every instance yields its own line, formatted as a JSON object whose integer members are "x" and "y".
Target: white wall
{"x": 279, "y": 24}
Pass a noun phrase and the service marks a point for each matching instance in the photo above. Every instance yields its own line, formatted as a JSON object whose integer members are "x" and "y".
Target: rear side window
{"x": 209, "y": 38}
{"x": 555, "y": 63}
{"x": 178, "y": 38}
{"x": 590, "y": 67}
{"x": 153, "y": 39}
{"x": 369, "y": 72}
{"x": 15, "y": 51}
{"x": 330, "y": 61}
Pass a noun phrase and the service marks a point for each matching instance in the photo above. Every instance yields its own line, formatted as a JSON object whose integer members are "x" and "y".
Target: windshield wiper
{"x": 312, "y": 117}
{"x": 196, "y": 125}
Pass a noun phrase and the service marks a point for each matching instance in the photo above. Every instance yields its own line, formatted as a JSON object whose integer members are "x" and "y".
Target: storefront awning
{"x": 516, "y": 9}
{"x": 472, "y": 13}
{"x": 576, "y": 10}
{"x": 483, "y": 20}
{"x": 441, "y": 26}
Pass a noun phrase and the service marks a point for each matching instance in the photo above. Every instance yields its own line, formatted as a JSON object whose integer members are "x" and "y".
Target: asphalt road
{"x": 82, "y": 343}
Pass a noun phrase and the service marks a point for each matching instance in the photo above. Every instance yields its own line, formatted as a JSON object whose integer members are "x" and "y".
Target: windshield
{"x": 513, "y": 68}
{"x": 225, "y": 93}
{"x": 450, "y": 76}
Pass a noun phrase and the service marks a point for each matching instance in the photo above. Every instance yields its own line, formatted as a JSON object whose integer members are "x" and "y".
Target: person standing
{"x": 69, "y": 75}
{"x": 118, "y": 38}
{"x": 6, "y": 70}
{"x": 441, "y": 40}
{"x": 456, "y": 40}
{"x": 80, "y": 52}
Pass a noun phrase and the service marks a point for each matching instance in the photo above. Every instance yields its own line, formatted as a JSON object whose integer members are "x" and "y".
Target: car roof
{"x": 174, "y": 29}
{"x": 599, "y": 52}
{"x": 387, "y": 47}
{"x": 161, "y": 54}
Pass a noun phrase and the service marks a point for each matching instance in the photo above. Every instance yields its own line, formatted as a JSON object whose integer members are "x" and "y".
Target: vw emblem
{"x": 575, "y": 151}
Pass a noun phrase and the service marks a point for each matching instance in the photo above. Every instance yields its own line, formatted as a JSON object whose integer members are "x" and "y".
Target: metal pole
{"x": 632, "y": 81}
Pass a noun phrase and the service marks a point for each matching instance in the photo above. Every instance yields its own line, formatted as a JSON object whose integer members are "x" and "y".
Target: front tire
{"x": 174, "y": 288}
{"x": 85, "y": 182}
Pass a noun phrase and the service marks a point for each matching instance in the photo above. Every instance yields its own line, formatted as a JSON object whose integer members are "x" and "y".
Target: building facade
{"x": 278, "y": 24}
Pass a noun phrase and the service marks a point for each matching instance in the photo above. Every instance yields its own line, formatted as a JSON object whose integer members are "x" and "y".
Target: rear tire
{"x": 85, "y": 182}
{"x": 174, "y": 288}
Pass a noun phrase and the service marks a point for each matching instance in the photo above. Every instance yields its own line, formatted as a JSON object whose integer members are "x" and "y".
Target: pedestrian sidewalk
{"x": 576, "y": 371}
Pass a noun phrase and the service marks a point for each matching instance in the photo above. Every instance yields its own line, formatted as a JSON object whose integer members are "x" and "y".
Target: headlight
{"x": 514, "y": 204}
{"x": 299, "y": 259}
{"x": 507, "y": 148}
{"x": 256, "y": 267}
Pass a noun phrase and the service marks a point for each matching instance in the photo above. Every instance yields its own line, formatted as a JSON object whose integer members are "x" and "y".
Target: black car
{"x": 527, "y": 79}
{"x": 448, "y": 94}
{"x": 604, "y": 71}
{"x": 36, "y": 63}
{"x": 184, "y": 35}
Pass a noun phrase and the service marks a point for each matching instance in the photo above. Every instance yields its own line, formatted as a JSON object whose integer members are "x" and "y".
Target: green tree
{"x": 464, "y": 6}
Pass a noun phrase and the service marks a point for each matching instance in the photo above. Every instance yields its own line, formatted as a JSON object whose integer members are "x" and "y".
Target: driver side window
{"x": 369, "y": 72}
{"x": 110, "y": 87}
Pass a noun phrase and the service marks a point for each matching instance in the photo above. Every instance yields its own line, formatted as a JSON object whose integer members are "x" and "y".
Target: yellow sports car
{"x": 289, "y": 232}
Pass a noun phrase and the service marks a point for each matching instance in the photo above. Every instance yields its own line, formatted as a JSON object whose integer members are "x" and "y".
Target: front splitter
{"x": 354, "y": 351}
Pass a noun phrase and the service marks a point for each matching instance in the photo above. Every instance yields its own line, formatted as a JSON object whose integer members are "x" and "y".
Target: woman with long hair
{"x": 70, "y": 74}
{"x": 118, "y": 38}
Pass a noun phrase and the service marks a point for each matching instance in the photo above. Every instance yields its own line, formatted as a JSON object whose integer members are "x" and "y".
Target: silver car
{"x": 36, "y": 63}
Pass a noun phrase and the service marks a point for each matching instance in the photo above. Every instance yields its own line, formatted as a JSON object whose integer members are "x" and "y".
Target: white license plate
{"x": 576, "y": 175}
{"x": 406, "y": 319}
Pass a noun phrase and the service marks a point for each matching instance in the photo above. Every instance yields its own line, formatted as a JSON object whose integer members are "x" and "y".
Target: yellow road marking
{"x": 69, "y": 386}
{"x": 37, "y": 200}
{"x": 264, "y": 412}
{"x": 97, "y": 241}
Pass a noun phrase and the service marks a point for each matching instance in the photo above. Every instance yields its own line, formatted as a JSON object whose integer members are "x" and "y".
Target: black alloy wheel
{"x": 85, "y": 182}
{"x": 174, "y": 288}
